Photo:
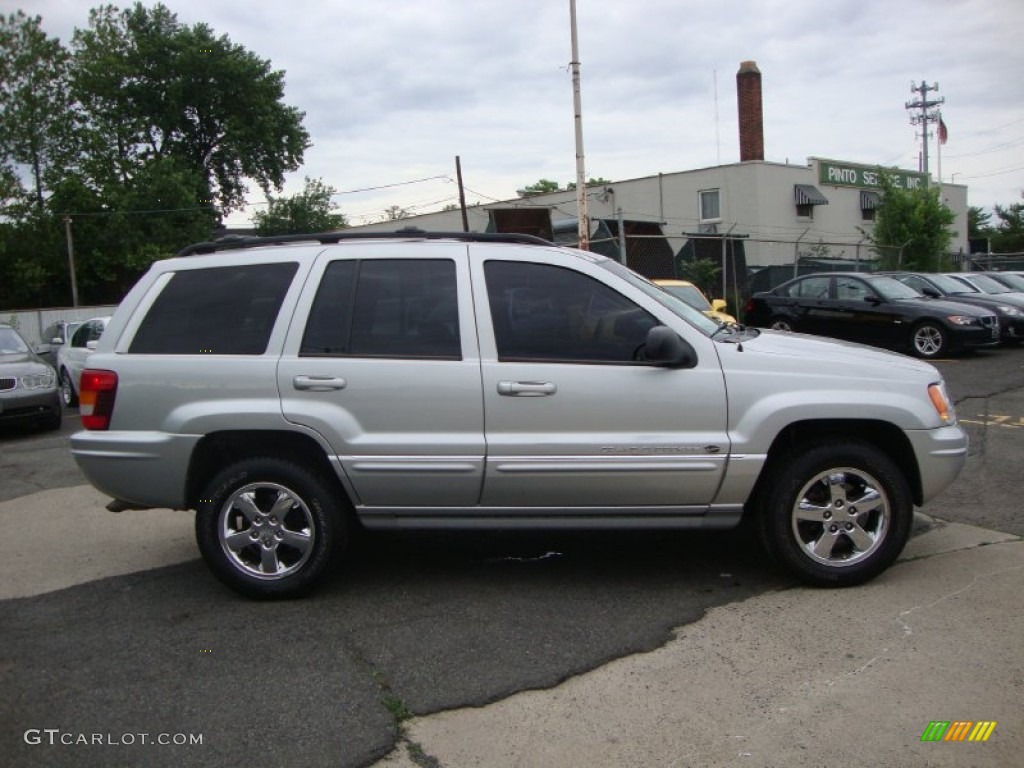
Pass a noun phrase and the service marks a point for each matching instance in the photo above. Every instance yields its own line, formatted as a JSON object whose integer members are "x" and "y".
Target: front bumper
{"x": 941, "y": 454}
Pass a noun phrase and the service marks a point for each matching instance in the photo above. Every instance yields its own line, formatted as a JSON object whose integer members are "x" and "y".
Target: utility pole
{"x": 926, "y": 113}
{"x": 71, "y": 261}
{"x": 581, "y": 176}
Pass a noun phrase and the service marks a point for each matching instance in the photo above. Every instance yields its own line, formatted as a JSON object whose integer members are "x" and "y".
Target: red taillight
{"x": 96, "y": 398}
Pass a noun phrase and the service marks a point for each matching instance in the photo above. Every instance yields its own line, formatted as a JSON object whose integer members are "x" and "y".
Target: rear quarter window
{"x": 220, "y": 311}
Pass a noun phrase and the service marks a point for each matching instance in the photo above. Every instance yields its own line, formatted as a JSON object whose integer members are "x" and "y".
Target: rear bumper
{"x": 145, "y": 469}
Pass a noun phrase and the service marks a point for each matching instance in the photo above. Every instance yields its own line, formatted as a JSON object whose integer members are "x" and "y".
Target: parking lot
{"x": 409, "y": 625}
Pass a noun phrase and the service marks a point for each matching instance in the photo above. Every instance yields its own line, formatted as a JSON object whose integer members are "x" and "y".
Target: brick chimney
{"x": 748, "y": 98}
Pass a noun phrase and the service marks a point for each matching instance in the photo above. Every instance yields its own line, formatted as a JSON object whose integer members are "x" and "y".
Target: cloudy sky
{"x": 393, "y": 90}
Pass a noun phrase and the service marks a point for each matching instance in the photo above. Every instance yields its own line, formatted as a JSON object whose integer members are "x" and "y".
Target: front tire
{"x": 779, "y": 323}
{"x": 929, "y": 340}
{"x": 269, "y": 528}
{"x": 836, "y": 515}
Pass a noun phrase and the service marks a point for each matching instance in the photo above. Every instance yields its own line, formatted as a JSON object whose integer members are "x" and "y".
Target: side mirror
{"x": 667, "y": 349}
{"x": 873, "y": 300}
{"x": 931, "y": 292}
{"x": 718, "y": 305}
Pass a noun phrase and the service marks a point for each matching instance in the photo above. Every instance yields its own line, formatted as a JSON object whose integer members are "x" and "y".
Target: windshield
{"x": 689, "y": 294}
{"x": 1014, "y": 281}
{"x": 675, "y": 305}
{"x": 951, "y": 285}
{"x": 988, "y": 285}
{"x": 11, "y": 342}
{"x": 890, "y": 288}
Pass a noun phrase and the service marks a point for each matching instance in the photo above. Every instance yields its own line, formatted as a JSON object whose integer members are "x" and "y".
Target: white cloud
{"x": 393, "y": 91}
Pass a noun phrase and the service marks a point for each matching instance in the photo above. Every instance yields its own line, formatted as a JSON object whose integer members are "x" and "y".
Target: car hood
{"x": 947, "y": 306}
{"x": 20, "y": 363}
{"x": 814, "y": 353}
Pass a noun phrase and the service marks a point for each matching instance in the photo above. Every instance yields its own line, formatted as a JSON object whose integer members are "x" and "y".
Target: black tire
{"x": 929, "y": 340}
{"x": 835, "y": 514}
{"x": 67, "y": 389}
{"x": 299, "y": 525}
{"x": 779, "y": 323}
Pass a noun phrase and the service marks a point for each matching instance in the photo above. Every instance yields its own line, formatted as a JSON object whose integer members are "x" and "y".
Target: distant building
{"x": 755, "y": 213}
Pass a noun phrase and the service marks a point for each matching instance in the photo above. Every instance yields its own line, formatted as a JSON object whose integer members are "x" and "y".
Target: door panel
{"x": 571, "y": 419}
{"x": 387, "y": 331}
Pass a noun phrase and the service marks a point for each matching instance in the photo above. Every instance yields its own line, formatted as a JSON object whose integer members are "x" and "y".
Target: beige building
{"x": 752, "y": 214}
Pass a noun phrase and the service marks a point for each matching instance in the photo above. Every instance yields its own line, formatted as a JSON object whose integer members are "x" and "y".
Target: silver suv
{"x": 287, "y": 389}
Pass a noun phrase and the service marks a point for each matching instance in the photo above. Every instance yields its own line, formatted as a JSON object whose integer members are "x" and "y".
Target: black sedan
{"x": 28, "y": 386}
{"x": 1007, "y": 307}
{"x": 872, "y": 309}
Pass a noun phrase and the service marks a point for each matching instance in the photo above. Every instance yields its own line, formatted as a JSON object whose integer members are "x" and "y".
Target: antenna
{"x": 718, "y": 137}
{"x": 924, "y": 104}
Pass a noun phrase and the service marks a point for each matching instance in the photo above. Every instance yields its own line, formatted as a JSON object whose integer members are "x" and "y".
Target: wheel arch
{"x": 219, "y": 449}
{"x": 884, "y": 436}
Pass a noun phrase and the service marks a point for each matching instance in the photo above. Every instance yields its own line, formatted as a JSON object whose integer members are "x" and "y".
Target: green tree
{"x": 395, "y": 213}
{"x": 36, "y": 117}
{"x": 308, "y": 211}
{"x": 539, "y": 188}
{"x": 979, "y": 222}
{"x": 151, "y": 87}
{"x": 1008, "y": 234}
{"x": 912, "y": 227}
{"x": 591, "y": 182}
{"x": 703, "y": 273}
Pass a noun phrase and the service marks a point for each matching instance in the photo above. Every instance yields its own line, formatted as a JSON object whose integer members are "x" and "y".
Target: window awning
{"x": 808, "y": 194}
{"x": 869, "y": 200}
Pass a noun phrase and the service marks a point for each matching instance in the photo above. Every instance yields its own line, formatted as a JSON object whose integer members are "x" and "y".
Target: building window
{"x": 805, "y": 211}
{"x": 709, "y": 206}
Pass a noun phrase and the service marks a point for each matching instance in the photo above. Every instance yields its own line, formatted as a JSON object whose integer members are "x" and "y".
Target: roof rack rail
{"x": 236, "y": 242}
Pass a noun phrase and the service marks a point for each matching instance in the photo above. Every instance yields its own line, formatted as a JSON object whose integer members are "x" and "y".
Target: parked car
{"x": 72, "y": 357}
{"x": 1008, "y": 309}
{"x": 984, "y": 282}
{"x": 28, "y": 385}
{"x": 1012, "y": 280}
{"x": 55, "y": 336}
{"x": 873, "y": 309}
{"x": 692, "y": 295}
{"x": 290, "y": 388}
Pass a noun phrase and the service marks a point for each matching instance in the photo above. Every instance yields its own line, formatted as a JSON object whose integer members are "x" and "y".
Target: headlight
{"x": 38, "y": 380}
{"x": 1011, "y": 311}
{"x": 941, "y": 402}
{"x": 962, "y": 320}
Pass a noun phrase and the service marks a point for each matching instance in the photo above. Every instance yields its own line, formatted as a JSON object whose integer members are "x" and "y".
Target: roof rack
{"x": 236, "y": 242}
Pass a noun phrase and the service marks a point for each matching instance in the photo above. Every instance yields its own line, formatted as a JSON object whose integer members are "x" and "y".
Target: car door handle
{"x": 319, "y": 383}
{"x": 526, "y": 388}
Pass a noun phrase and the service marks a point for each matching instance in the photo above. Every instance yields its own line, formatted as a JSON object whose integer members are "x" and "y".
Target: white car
{"x": 72, "y": 357}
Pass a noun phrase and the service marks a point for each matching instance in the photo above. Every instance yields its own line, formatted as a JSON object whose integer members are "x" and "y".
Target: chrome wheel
{"x": 266, "y": 530}
{"x": 835, "y": 512}
{"x": 67, "y": 390}
{"x": 928, "y": 340}
{"x": 841, "y": 517}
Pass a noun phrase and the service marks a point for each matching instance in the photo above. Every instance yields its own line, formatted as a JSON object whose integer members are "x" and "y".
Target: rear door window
{"x": 220, "y": 311}
{"x": 400, "y": 308}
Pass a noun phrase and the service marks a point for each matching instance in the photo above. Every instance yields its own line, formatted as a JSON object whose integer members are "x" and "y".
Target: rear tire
{"x": 269, "y": 528}
{"x": 836, "y": 515}
{"x": 778, "y": 323}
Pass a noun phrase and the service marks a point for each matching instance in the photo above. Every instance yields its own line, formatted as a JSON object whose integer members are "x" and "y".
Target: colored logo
{"x": 958, "y": 730}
